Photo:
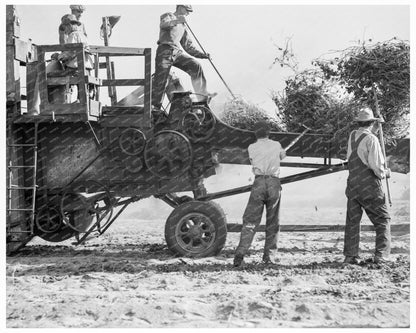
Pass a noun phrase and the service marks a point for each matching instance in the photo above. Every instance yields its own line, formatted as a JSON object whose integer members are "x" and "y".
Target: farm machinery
{"x": 75, "y": 166}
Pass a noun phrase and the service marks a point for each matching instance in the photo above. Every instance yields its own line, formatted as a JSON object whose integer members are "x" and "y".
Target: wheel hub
{"x": 195, "y": 232}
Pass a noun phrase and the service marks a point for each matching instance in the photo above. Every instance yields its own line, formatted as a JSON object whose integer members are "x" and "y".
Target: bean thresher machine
{"x": 74, "y": 166}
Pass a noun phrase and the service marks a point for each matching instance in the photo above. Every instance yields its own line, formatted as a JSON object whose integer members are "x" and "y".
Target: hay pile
{"x": 377, "y": 74}
{"x": 242, "y": 114}
{"x": 327, "y": 97}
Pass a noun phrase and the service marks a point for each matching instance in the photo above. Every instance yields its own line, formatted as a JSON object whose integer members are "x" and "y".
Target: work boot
{"x": 207, "y": 98}
{"x": 351, "y": 260}
{"x": 210, "y": 96}
{"x": 238, "y": 260}
{"x": 381, "y": 260}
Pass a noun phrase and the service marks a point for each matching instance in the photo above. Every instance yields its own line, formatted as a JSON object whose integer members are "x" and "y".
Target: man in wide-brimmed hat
{"x": 364, "y": 190}
{"x": 265, "y": 156}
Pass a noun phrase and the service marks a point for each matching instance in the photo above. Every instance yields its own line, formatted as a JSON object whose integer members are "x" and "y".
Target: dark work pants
{"x": 376, "y": 210}
{"x": 266, "y": 191}
{"x": 168, "y": 56}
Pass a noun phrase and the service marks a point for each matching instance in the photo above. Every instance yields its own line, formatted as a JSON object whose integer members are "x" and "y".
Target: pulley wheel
{"x": 168, "y": 154}
{"x": 132, "y": 141}
{"x": 48, "y": 219}
{"x": 198, "y": 124}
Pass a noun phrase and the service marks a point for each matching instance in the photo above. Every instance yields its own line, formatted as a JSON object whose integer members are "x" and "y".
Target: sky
{"x": 240, "y": 38}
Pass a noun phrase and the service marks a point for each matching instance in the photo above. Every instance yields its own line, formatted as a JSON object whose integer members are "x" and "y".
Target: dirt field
{"x": 128, "y": 278}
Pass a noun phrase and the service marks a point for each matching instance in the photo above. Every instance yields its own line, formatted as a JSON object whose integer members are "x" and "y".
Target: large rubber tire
{"x": 196, "y": 229}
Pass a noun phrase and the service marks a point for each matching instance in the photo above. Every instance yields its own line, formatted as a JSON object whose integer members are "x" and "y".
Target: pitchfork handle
{"x": 226, "y": 85}
{"x": 297, "y": 138}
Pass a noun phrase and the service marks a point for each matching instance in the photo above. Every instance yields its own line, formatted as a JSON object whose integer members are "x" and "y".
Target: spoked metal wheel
{"x": 196, "y": 229}
{"x": 198, "y": 124}
{"x": 49, "y": 224}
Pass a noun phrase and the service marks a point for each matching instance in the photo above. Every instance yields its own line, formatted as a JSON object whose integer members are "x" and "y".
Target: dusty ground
{"x": 128, "y": 278}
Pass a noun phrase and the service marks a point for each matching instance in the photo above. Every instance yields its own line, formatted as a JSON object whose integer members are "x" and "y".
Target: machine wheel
{"x": 132, "y": 141}
{"x": 50, "y": 226}
{"x": 168, "y": 154}
{"x": 48, "y": 219}
{"x": 198, "y": 124}
{"x": 196, "y": 229}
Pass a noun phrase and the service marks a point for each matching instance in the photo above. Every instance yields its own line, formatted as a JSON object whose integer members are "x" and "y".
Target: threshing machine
{"x": 71, "y": 163}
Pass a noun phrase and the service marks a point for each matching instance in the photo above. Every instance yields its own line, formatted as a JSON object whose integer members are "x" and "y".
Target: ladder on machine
{"x": 28, "y": 210}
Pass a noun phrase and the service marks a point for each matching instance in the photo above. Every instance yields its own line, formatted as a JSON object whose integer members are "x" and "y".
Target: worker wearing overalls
{"x": 265, "y": 156}
{"x": 364, "y": 189}
{"x": 175, "y": 48}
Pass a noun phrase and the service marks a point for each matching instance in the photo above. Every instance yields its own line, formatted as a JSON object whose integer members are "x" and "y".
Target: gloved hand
{"x": 55, "y": 56}
{"x": 388, "y": 173}
{"x": 205, "y": 56}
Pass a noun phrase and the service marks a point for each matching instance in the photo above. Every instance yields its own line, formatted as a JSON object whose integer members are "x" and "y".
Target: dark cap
{"x": 187, "y": 7}
{"x": 262, "y": 129}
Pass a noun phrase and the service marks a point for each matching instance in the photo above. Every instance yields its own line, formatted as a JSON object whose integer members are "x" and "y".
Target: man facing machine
{"x": 265, "y": 156}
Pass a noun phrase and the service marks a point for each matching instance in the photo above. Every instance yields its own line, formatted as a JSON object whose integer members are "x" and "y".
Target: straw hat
{"x": 366, "y": 114}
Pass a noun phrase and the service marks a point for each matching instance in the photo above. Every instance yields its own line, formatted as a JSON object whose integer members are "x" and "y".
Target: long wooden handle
{"x": 383, "y": 148}
{"x": 296, "y": 139}
{"x": 215, "y": 68}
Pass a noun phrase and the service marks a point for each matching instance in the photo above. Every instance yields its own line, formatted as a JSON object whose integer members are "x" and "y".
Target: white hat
{"x": 366, "y": 114}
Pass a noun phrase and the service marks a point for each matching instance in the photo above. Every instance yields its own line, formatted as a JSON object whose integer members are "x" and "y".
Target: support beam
{"x": 400, "y": 228}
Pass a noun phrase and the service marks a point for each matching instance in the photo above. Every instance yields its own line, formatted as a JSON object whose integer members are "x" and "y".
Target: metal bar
{"x": 20, "y": 187}
{"x": 236, "y": 227}
{"x": 115, "y": 217}
{"x": 147, "y": 99}
{"x": 129, "y": 201}
{"x": 89, "y": 231}
{"x": 95, "y": 135}
{"x": 170, "y": 201}
{"x": 303, "y": 165}
{"x": 35, "y": 163}
{"x": 20, "y": 166}
{"x": 19, "y": 209}
{"x": 86, "y": 167}
{"x": 22, "y": 145}
{"x": 284, "y": 180}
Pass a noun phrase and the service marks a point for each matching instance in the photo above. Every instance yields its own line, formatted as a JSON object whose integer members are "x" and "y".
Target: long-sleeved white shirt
{"x": 265, "y": 156}
{"x": 369, "y": 151}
